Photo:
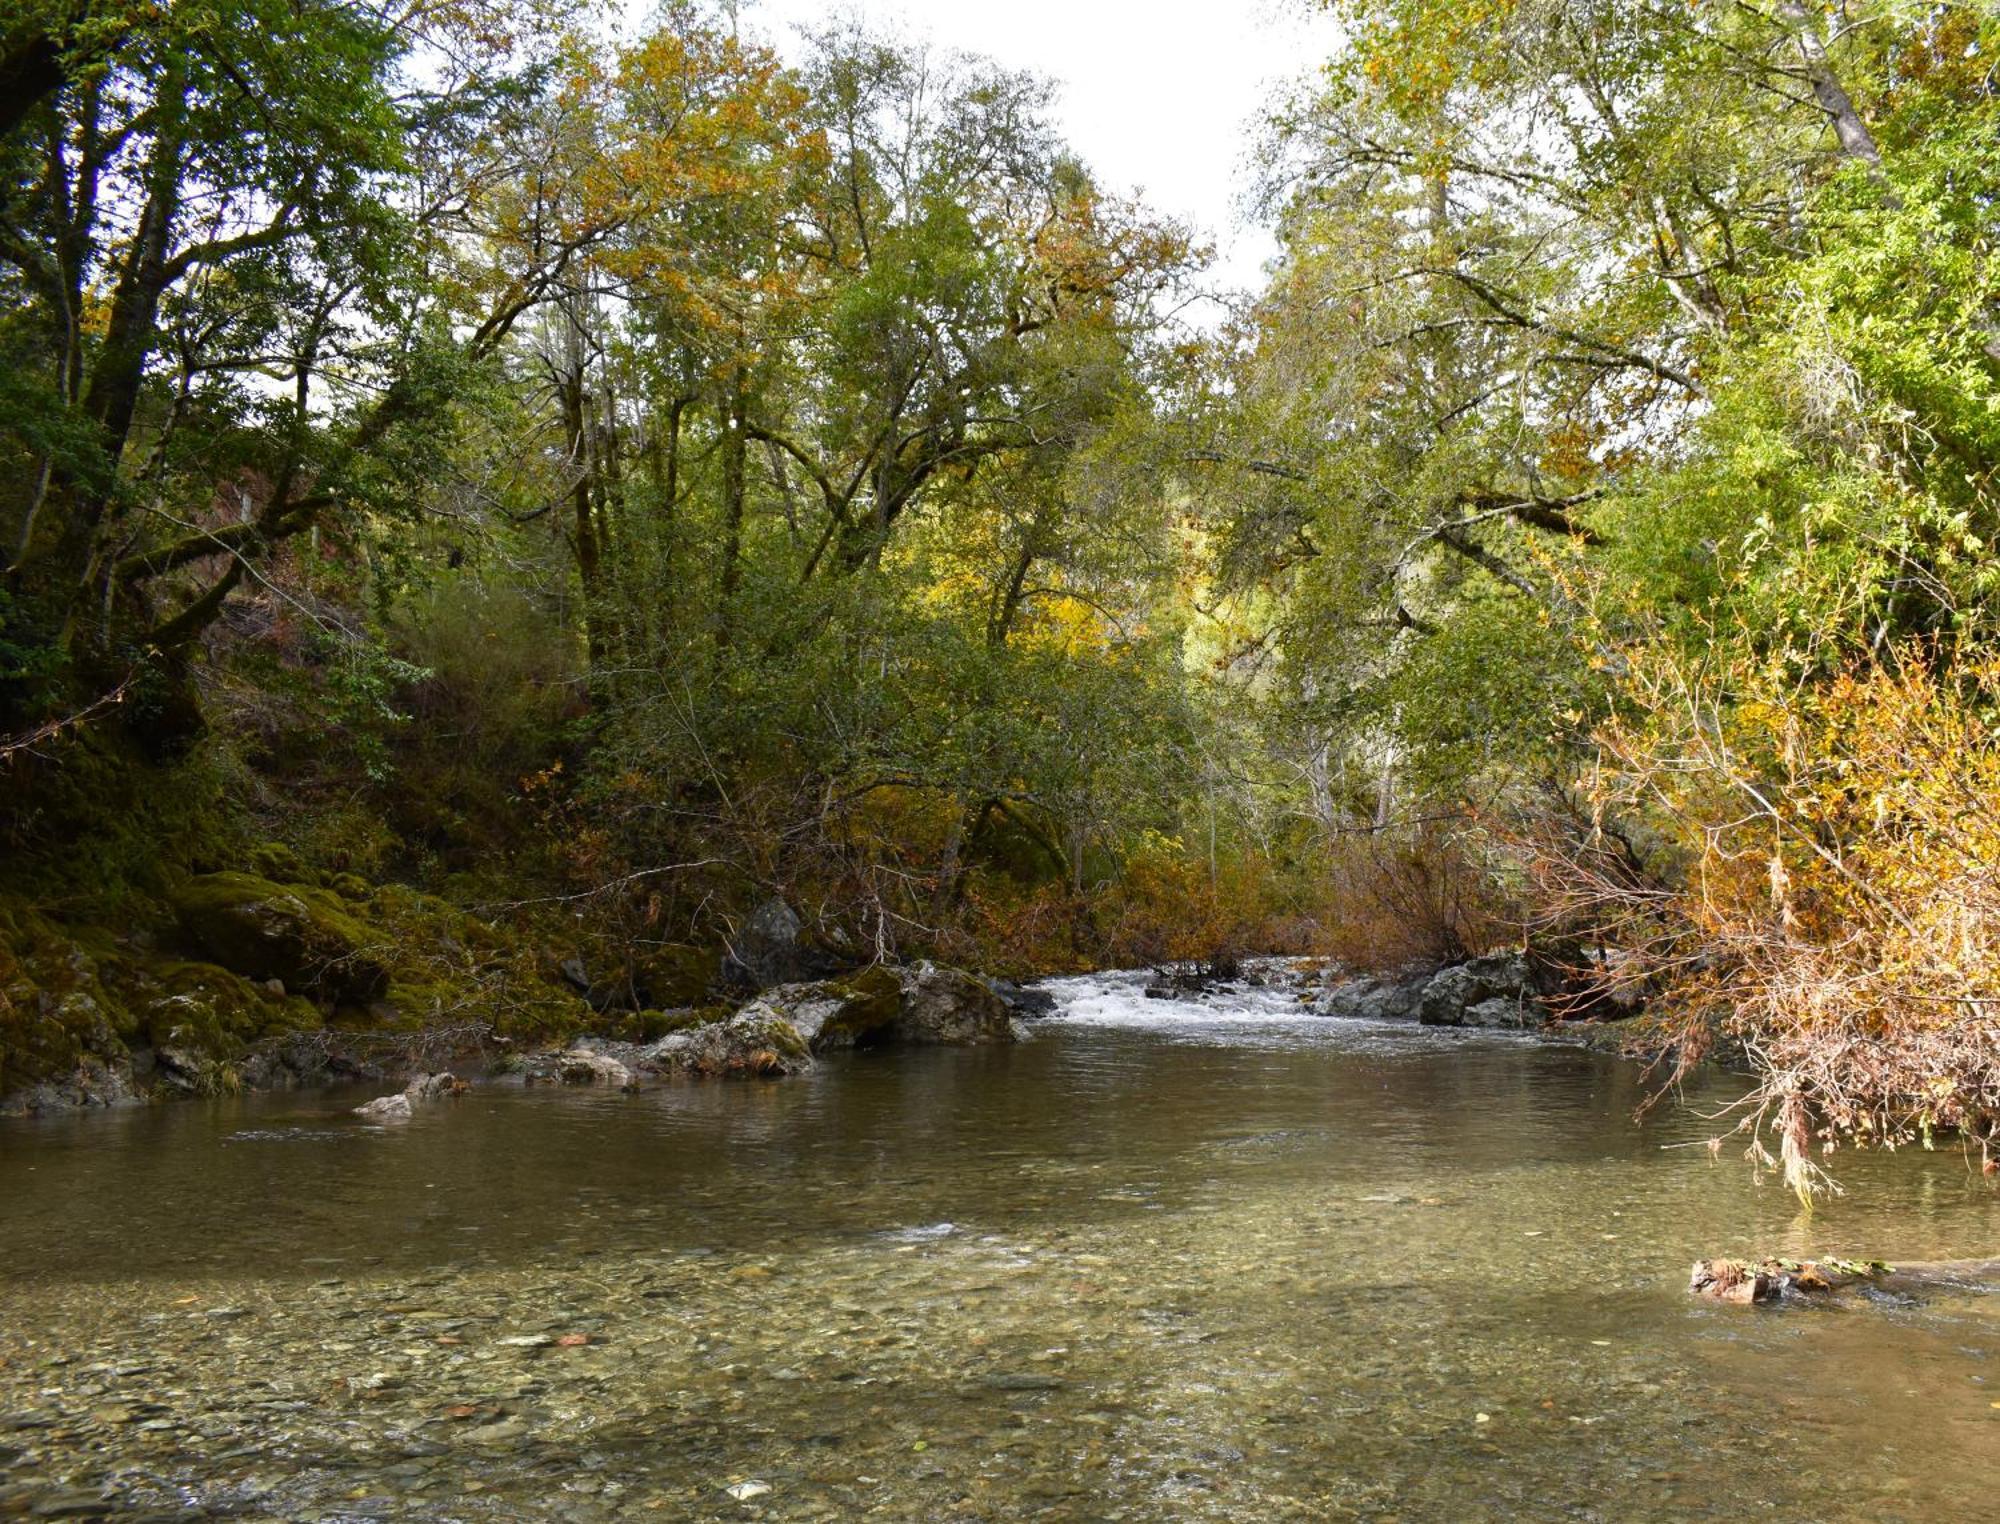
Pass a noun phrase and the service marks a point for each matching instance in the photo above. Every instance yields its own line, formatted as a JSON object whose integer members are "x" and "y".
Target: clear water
{"x": 1168, "y": 1261}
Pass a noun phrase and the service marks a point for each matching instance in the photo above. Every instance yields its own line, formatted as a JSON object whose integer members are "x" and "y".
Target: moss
{"x": 783, "y": 1038}
{"x": 651, "y": 1026}
{"x": 104, "y": 832}
{"x": 448, "y": 966}
{"x": 54, "y": 1009}
{"x": 202, "y": 1006}
{"x": 275, "y": 860}
{"x": 304, "y": 936}
{"x": 669, "y": 974}
{"x": 869, "y": 1002}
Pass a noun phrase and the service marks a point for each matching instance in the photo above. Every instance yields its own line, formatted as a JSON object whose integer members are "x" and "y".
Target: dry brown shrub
{"x": 1404, "y": 895}
{"x": 1807, "y": 871}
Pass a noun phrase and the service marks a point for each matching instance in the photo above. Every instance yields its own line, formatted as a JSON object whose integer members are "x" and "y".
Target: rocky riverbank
{"x": 783, "y": 1031}
{"x": 268, "y": 976}
{"x": 1506, "y": 990}
{"x": 278, "y": 979}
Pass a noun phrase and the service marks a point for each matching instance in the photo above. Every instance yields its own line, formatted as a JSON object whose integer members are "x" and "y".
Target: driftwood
{"x": 1773, "y": 1280}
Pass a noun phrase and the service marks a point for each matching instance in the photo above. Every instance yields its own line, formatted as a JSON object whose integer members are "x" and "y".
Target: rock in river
{"x": 757, "y": 1040}
{"x": 1497, "y": 990}
{"x": 945, "y": 1005}
{"x": 580, "y": 1066}
{"x": 1372, "y": 999}
{"x": 847, "y": 1013}
{"x": 399, "y": 1107}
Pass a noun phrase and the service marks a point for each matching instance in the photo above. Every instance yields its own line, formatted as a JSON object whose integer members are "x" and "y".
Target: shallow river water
{"x": 1167, "y": 1261}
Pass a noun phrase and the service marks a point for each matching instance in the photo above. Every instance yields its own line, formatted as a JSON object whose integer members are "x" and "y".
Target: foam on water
{"x": 1242, "y": 1014}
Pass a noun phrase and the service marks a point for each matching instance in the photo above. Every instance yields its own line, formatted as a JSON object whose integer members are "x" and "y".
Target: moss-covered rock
{"x": 203, "y": 1007}
{"x": 841, "y": 1013}
{"x": 350, "y": 886}
{"x": 277, "y": 862}
{"x": 54, "y": 1008}
{"x": 756, "y": 1042}
{"x": 306, "y": 937}
{"x": 651, "y": 1026}
{"x": 448, "y": 968}
{"x": 674, "y": 974}
{"x": 950, "y": 1006}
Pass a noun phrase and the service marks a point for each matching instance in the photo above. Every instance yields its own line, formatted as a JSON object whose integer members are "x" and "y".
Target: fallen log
{"x": 1773, "y": 1280}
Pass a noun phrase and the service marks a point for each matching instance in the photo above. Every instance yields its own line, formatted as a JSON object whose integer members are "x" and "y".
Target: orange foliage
{"x": 1808, "y": 872}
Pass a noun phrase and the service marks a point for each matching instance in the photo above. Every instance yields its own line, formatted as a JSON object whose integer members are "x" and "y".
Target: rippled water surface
{"x": 1167, "y": 1261}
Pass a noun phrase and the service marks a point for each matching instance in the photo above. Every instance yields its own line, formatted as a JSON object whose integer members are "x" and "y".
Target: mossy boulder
{"x": 841, "y": 1013}
{"x": 949, "y": 1006}
{"x": 54, "y": 1008}
{"x": 756, "y": 1042}
{"x": 203, "y": 1007}
{"x": 667, "y": 975}
{"x": 304, "y": 936}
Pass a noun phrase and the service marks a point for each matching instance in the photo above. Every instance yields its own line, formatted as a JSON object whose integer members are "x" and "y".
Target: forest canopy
{"x": 609, "y": 484}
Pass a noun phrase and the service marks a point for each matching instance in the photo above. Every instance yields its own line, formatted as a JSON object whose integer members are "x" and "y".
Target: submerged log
{"x": 1772, "y": 1280}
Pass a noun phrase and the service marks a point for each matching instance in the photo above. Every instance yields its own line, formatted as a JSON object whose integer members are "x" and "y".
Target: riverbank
{"x": 268, "y": 983}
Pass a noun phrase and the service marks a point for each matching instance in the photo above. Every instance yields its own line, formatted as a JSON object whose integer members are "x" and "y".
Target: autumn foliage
{"x": 1804, "y": 871}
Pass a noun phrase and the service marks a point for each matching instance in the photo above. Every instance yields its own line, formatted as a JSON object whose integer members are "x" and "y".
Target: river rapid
{"x": 1206, "y": 1259}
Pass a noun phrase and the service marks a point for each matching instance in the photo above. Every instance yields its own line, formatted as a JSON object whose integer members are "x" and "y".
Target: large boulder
{"x": 305, "y": 937}
{"x": 1372, "y": 999}
{"x": 946, "y": 1005}
{"x": 1497, "y": 990}
{"x": 847, "y": 1013}
{"x": 756, "y": 1041}
{"x": 769, "y": 949}
{"x": 776, "y": 947}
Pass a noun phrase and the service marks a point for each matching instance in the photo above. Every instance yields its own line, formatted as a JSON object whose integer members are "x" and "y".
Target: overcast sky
{"x": 1159, "y": 95}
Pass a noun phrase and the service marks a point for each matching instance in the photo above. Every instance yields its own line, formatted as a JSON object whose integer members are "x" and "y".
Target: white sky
{"x": 1157, "y": 96}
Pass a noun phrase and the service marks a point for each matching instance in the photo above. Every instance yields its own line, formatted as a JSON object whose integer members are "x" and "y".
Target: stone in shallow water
{"x": 389, "y": 1108}
{"x": 580, "y": 1066}
{"x": 501, "y": 1432}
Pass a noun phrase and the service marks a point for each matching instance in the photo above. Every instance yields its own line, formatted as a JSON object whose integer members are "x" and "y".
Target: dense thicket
{"x": 628, "y": 481}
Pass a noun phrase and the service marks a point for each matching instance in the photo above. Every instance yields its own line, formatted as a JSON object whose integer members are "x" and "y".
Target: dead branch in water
{"x": 1773, "y": 1280}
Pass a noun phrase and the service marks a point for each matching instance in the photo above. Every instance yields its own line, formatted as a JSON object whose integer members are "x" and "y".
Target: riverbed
{"x": 1206, "y": 1259}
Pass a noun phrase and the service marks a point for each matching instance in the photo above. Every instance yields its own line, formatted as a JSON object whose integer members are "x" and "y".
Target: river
{"x": 1169, "y": 1260}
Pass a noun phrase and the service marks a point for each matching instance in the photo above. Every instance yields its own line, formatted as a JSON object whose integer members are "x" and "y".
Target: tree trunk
{"x": 1856, "y": 141}
{"x": 733, "y": 444}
